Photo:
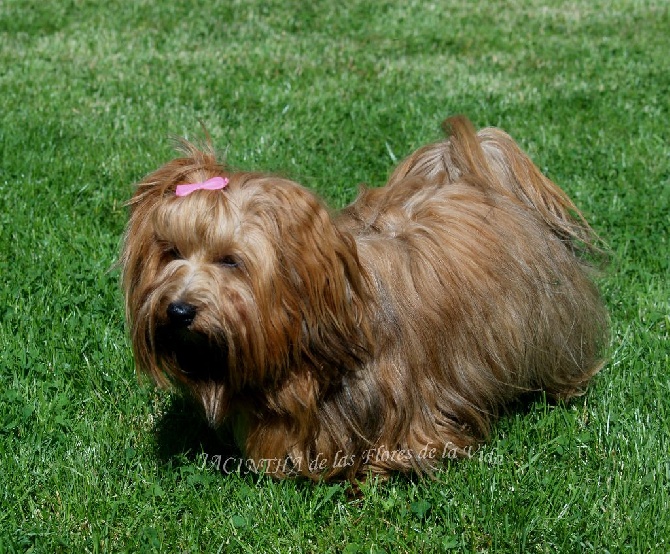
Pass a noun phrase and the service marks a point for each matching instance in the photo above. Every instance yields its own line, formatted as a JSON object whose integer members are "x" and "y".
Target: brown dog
{"x": 381, "y": 338}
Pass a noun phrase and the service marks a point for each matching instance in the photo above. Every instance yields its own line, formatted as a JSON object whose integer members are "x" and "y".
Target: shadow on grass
{"x": 183, "y": 438}
{"x": 182, "y": 433}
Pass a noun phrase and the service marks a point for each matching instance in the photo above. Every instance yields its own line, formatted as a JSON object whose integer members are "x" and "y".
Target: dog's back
{"x": 492, "y": 158}
{"x": 482, "y": 292}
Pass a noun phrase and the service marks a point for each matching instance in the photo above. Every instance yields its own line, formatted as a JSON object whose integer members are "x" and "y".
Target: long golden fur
{"x": 381, "y": 338}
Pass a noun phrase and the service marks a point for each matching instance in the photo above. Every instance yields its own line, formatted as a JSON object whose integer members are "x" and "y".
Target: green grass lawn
{"x": 330, "y": 95}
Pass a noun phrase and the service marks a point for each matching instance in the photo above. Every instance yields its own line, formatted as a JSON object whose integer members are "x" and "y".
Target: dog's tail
{"x": 491, "y": 158}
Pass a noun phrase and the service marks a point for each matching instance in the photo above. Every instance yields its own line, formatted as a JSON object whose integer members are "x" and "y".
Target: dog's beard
{"x": 195, "y": 361}
{"x": 197, "y": 356}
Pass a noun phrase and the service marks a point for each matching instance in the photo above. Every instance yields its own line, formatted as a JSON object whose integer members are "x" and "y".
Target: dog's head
{"x": 236, "y": 282}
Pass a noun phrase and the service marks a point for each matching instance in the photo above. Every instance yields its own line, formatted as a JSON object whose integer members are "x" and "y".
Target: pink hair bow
{"x": 215, "y": 183}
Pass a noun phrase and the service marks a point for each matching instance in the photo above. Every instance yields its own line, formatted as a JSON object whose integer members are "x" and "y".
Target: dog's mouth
{"x": 194, "y": 355}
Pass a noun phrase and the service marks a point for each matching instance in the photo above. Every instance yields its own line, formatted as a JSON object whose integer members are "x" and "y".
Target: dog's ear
{"x": 320, "y": 281}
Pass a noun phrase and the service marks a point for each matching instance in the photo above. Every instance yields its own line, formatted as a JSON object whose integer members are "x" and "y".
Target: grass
{"x": 329, "y": 94}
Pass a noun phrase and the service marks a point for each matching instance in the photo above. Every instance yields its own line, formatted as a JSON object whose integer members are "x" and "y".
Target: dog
{"x": 382, "y": 338}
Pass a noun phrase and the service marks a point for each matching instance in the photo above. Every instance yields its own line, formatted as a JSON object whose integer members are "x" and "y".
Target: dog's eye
{"x": 172, "y": 253}
{"x": 229, "y": 261}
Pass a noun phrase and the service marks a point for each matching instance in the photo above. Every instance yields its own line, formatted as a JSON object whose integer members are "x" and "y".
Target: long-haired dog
{"x": 381, "y": 338}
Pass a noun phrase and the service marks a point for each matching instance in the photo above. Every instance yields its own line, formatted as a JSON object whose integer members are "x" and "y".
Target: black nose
{"x": 181, "y": 313}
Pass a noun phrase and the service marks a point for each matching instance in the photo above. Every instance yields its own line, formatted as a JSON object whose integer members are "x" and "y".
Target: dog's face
{"x": 228, "y": 291}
